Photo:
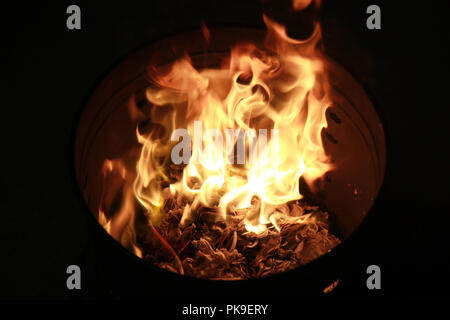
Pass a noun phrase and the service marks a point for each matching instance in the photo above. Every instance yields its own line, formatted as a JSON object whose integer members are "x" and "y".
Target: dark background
{"x": 49, "y": 72}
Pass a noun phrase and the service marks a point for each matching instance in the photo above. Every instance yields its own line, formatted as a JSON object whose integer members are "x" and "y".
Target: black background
{"x": 49, "y": 71}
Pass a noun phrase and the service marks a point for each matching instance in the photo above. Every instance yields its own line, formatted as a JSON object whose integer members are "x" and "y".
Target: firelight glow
{"x": 283, "y": 87}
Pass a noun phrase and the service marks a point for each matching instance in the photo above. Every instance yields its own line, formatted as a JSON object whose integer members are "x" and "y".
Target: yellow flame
{"x": 281, "y": 89}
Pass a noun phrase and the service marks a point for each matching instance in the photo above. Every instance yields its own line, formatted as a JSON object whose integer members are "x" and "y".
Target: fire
{"x": 281, "y": 88}
{"x": 121, "y": 227}
{"x": 303, "y": 4}
{"x": 254, "y": 128}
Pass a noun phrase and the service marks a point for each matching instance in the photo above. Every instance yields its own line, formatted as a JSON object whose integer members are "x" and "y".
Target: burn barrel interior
{"x": 354, "y": 138}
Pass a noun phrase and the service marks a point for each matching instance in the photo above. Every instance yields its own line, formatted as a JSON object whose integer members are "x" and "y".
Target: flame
{"x": 302, "y": 4}
{"x": 121, "y": 224}
{"x": 279, "y": 90}
{"x": 254, "y": 130}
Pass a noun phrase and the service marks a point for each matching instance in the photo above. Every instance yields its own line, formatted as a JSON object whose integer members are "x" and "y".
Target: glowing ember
{"x": 231, "y": 143}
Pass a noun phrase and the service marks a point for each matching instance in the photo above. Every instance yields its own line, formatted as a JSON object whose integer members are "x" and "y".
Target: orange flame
{"x": 281, "y": 89}
{"x": 121, "y": 224}
{"x": 264, "y": 109}
{"x": 303, "y": 4}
